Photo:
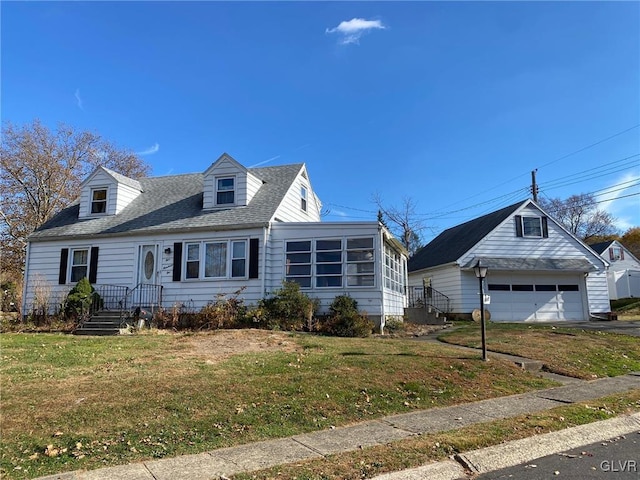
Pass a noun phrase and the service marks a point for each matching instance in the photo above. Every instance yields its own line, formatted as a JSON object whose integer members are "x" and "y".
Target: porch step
{"x": 101, "y": 323}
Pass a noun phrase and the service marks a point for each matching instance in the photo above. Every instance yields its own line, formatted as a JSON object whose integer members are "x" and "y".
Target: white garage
{"x": 536, "y": 298}
{"x": 537, "y": 270}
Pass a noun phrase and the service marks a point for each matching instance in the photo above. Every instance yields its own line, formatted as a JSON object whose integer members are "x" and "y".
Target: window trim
{"x": 93, "y": 202}
{"x": 218, "y": 190}
{"x": 229, "y": 259}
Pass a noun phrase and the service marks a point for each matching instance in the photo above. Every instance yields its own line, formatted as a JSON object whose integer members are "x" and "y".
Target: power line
{"x": 590, "y": 146}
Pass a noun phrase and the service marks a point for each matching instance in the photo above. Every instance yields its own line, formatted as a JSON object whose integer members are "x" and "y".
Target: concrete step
{"x": 97, "y": 331}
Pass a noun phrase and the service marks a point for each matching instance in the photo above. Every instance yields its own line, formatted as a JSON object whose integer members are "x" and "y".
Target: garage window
{"x": 500, "y": 287}
{"x": 522, "y": 288}
{"x": 545, "y": 288}
{"x": 568, "y": 288}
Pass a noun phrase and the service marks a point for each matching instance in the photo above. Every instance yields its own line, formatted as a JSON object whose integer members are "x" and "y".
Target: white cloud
{"x": 151, "y": 150}
{"x": 78, "y": 99}
{"x": 265, "y": 161}
{"x": 351, "y": 31}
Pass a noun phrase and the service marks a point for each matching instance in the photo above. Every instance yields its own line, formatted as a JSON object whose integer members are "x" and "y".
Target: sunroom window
{"x": 360, "y": 265}
{"x": 298, "y": 263}
{"x": 329, "y": 263}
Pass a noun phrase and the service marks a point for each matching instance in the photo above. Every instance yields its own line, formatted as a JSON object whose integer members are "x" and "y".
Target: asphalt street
{"x": 616, "y": 459}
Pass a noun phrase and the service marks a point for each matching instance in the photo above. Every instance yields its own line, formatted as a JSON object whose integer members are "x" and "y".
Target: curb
{"x": 513, "y": 453}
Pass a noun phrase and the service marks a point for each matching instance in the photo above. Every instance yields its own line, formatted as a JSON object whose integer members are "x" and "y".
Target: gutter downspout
{"x": 25, "y": 281}
{"x": 381, "y": 278}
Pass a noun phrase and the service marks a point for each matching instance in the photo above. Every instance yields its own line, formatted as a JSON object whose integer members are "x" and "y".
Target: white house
{"x": 538, "y": 271}
{"x": 624, "y": 273}
{"x": 189, "y": 238}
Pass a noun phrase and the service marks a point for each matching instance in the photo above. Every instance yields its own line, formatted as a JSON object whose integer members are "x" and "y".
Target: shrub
{"x": 223, "y": 312}
{"x": 288, "y": 308}
{"x": 394, "y": 324}
{"x": 81, "y": 298}
{"x": 344, "y": 320}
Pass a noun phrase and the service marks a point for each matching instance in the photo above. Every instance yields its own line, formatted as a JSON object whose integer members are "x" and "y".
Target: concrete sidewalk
{"x": 225, "y": 462}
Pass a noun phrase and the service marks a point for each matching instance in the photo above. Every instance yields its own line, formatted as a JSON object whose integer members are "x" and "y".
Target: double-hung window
{"x": 219, "y": 259}
{"x": 79, "y": 264}
{"x": 303, "y": 198}
{"x": 225, "y": 191}
{"x": 193, "y": 260}
{"x": 98, "y": 200}
{"x": 531, "y": 226}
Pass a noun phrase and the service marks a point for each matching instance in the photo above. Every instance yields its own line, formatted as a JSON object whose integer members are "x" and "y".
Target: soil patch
{"x": 221, "y": 344}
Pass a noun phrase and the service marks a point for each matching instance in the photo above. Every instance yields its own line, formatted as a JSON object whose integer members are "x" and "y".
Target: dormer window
{"x": 303, "y": 198}
{"x": 225, "y": 191}
{"x": 98, "y": 200}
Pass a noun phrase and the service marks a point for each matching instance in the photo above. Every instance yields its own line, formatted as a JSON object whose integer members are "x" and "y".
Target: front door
{"x": 147, "y": 295}
{"x": 147, "y": 264}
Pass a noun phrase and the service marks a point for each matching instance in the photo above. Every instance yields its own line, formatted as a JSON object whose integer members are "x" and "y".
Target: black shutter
{"x": 177, "y": 261}
{"x": 518, "y": 225}
{"x": 253, "y": 257}
{"x": 545, "y": 227}
{"x": 93, "y": 265}
{"x": 64, "y": 259}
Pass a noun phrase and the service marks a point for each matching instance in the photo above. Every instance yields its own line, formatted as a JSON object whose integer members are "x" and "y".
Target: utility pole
{"x": 534, "y": 185}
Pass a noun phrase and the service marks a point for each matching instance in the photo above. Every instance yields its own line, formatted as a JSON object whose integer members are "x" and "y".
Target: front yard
{"x": 73, "y": 403}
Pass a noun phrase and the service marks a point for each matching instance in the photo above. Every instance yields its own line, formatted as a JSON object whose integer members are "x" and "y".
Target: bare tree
{"x": 580, "y": 215}
{"x": 403, "y": 221}
{"x": 40, "y": 174}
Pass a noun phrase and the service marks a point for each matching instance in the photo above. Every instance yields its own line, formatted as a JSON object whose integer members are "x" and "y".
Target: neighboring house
{"x": 194, "y": 237}
{"x": 538, "y": 271}
{"x": 624, "y": 271}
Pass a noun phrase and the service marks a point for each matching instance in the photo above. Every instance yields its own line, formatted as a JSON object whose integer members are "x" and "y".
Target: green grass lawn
{"x": 73, "y": 403}
{"x": 574, "y": 352}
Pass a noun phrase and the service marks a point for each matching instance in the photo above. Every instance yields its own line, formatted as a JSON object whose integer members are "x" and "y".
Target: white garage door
{"x": 542, "y": 298}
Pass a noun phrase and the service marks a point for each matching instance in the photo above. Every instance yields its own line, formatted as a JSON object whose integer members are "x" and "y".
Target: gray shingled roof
{"x": 124, "y": 180}
{"x": 451, "y": 244}
{"x": 600, "y": 246}
{"x": 174, "y": 203}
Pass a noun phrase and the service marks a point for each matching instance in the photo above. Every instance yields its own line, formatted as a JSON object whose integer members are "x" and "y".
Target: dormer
{"x": 228, "y": 184}
{"x": 106, "y": 192}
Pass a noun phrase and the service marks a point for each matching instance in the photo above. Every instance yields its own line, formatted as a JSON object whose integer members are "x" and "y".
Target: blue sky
{"x": 452, "y": 104}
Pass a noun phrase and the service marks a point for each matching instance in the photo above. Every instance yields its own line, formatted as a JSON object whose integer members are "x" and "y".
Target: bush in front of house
{"x": 345, "y": 320}
{"x": 287, "y": 309}
{"x": 80, "y": 299}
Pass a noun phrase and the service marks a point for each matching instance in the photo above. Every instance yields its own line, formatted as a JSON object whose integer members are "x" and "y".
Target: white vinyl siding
{"x": 289, "y": 209}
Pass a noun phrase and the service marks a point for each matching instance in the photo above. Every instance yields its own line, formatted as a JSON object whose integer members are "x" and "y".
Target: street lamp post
{"x": 481, "y": 272}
